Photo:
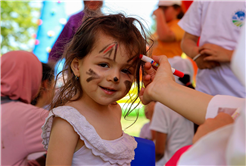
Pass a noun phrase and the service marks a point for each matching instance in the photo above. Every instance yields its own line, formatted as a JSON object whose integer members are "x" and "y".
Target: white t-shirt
{"x": 179, "y": 130}
{"x": 217, "y": 23}
{"x": 224, "y": 146}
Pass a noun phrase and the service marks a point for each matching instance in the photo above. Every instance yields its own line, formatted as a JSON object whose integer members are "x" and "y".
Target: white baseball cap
{"x": 168, "y": 3}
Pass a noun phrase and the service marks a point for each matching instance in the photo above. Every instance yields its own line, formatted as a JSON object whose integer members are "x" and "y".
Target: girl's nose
{"x": 114, "y": 77}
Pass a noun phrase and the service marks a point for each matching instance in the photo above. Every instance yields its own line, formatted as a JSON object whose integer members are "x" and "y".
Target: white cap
{"x": 169, "y": 3}
{"x": 238, "y": 62}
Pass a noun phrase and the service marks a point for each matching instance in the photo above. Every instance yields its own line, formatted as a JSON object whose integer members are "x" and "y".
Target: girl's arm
{"x": 187, "y": 102}
{"x": 165, "y": 34}
{"x": 62, "y": 144}
{"x": 160, "y": 143}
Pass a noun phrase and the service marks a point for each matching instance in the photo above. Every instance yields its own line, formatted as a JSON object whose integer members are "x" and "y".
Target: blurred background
{"x": 21, "y": 21}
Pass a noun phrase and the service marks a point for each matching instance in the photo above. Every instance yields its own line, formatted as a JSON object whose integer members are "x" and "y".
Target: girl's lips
{"x": 108, "y": 91}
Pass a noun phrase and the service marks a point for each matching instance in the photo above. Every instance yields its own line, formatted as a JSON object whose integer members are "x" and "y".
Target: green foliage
{"x": 17, "y": 25}
{"x": 153, "y": 26}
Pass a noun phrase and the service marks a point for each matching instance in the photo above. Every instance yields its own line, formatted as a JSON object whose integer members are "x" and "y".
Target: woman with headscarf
{"x": 21, "y": 74}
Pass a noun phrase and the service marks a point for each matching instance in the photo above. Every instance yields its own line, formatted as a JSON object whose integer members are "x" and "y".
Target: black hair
{"x": 48, "y": 74}
{"x": 176, "y": 7}
{"x": 181, "y": 13}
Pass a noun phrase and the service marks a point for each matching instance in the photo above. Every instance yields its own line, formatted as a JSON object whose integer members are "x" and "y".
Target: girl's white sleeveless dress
{"x": 96, "y": 151}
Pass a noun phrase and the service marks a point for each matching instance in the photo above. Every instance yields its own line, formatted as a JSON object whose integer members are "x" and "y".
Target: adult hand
{"x": 158, "y": 12}
{"x": 155, "y": 79}
{"x": 202, "y": 64}
{"x": 215, "y": 53}
{"x": 211, "y": 124}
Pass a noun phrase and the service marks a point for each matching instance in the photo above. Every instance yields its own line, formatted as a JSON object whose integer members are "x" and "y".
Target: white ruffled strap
{"x": 119, "y": 151}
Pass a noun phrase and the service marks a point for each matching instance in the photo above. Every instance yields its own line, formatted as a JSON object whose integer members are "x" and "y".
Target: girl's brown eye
{"x": 126, "y": 71}
{"x": 103, "y": 65}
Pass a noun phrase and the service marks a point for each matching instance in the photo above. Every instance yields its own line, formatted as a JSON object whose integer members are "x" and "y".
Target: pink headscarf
{"x": 21, "y": 74}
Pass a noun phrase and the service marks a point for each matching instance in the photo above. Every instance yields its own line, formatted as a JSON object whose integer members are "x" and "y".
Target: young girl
{"x": 83, "y": 127}
{"x": 169, "y": 33}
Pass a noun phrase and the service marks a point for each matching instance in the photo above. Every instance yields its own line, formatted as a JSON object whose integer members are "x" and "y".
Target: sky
{"x": 142, "y": 9}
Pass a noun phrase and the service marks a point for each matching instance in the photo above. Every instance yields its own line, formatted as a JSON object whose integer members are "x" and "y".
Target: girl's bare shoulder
{"x": 116, "y": 108}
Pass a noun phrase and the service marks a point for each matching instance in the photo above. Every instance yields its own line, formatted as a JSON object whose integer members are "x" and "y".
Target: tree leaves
{"x": 18, "y": 23}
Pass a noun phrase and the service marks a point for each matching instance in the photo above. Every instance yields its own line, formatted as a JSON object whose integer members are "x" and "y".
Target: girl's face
{"x": 105, "y": 73}
{"x": 170, "y": 13}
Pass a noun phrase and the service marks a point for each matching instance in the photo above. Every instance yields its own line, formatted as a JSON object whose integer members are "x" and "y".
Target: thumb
{"x": 163, "y": 61}
{"x": 157, "y": 58}
{"x": 160, "y": 59}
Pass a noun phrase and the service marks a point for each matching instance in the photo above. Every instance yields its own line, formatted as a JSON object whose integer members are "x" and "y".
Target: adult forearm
{"x": 163, "y": 31}
{"x": 189, "y": 45}
{"x": 188, "y": 102}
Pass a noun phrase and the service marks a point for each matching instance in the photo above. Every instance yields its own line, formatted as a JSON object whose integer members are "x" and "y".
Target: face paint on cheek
{"x": 128, "y": 86}
{"x": 92, "y": 74}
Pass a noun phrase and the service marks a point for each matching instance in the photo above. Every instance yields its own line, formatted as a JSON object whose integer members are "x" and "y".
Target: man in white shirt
{"x": 218, "y": 25}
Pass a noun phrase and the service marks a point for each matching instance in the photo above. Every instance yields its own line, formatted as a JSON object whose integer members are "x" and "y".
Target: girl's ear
{"x": 45, "y": 84}
{"x": 75, "y": 66}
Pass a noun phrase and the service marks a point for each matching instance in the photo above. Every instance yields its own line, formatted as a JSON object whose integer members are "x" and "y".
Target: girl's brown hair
{"x": 123, "y": 29}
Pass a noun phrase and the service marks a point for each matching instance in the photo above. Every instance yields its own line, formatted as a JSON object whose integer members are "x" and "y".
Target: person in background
{"x": 224, "y": 128}
{"x": 21, "y": 122}
{"x": 91, "y": 8}
{"x": 145, "y": 131}
{"x": 172, "y": 131}
{"x": 102, "y": 62}
{"x": 216, "y": 44}
{"x": 169, "y": 34}
{"x": 46, "y": 92}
